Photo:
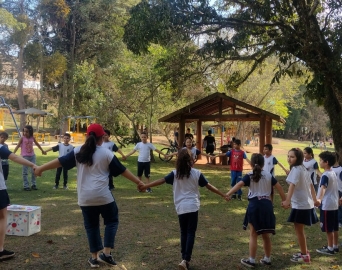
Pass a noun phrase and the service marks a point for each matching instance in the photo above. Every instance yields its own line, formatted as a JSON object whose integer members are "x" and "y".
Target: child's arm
{"x": 130, "y": 176}
{"x": 238, "y": 185}
{"x": 122, "y": 154}
{"x": 173, "y": 154}
{"x": 53, "y": 164}
{"x": 154, "y": 183}
{"x": 20, "y": 160}
{"x": 249, "y": 162}
{"x": 280, "y": 191}
{"x": 130, "y": 153}
{"x": 318, "y": 172}
{"x": 18, "y": 145}
{"x": 321, "y": 195}
{"x": 38, "y": 145}
{"x": 282, "y": 166}
{"x": 48, "y": 150}
{"x": 160, "y": 152}
{"x": 287, "y": 202}
{"x": 215, "y": 190}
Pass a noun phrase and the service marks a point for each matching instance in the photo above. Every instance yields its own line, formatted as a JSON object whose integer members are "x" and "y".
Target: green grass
{"x": 148, "y": 235}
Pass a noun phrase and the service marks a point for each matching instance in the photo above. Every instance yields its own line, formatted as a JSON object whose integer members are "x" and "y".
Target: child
{"x": 209, "y": 144}
{"x": 112, "y": 147}
{"x": 312, "y": 166}
{"x": 338, "y": 171}
{"x": 236, "y": 156}
{"x": 301, "y": 196}
{"x": 27, "y": 152}
{"x": 4, "y": 162}
{"x": 93, "y": 164}
{"x": 270, "y": 161}
{"x": 193, "y": 150}
{"x": 328, "y": 197}
{"x": 63, "y": 148}
{"x": 144, "y": 158}
{"x": 260, "y": 215}
{"x": 4, "y": 199}
{"x": 185, "y": 181}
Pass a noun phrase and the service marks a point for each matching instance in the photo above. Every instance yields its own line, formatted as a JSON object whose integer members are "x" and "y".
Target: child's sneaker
{"x": 34, "y": 187}
{"x": 184, "y": 265}
{"x": 324, "y": 250}
{"x": 149, "y": 190}
{"x": 65, "y": 187}
{"x": 337, "y": 249}
{"x": 263, "y": 261}
{"x": 94, "y": 263}
{"x": 301, "y": 258}
{"x": 107, "y": 259}
{"x": 55, "y": 187}
{"x": 239, "y": 198}
{"x": 246, "y": 262}
{"x": 6, "y": 254}
{"x": 234, "y": 197}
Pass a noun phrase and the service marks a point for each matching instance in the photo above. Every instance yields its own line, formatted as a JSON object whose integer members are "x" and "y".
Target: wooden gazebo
{"x": 220, "y": 107}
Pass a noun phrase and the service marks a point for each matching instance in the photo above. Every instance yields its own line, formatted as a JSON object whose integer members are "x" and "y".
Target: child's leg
{"x": 147, "y": 172}
{"x": 3, "y": 225}
{"x": 299, "y": 228}
{"x": 65, "y": 177}
{"x": 335, "y": 238}
{"x": 58, "y": 175}
{"x": 140, "y": 170}
{"x": 188, "y": 226}
{"x": 330, "y": 238}
{"x": 110, "y": 216}
{"x": 253, "y": 241}
{"x": 33, "y": 177}
{"x": 26, "y": 182}
{"x": 267, "y": 244}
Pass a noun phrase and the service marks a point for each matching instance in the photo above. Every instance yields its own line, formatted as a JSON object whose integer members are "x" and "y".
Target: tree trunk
{"x": 20, "y": 79}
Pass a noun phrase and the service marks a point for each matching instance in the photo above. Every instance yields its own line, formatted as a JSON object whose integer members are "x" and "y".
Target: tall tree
{"x": 307, "y": 31}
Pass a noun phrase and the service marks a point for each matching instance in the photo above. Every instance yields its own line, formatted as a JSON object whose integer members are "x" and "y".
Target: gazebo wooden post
{"x": 269, "y": 131}
{"x": 181, "y": 132}
{"x": 199, "y": 137}
{"x": 262, "y": 133}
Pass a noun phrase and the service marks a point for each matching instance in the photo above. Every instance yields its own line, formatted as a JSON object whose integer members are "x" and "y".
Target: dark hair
{"x": 237, "y": 141}
{"x": 67, "y": 134}
{"x": 257, "y": 161}
{"x": 30, "y": 129}
{"x": 209, "y": 132}
{"x": 188, "y": 129}
{"x": 85, "y": 155}
{"x": 184, "y": 164}
{"x": 5, "y": 134}
{"x": 143, "y": 133}
{"x": 299, "y": 155}
{"x": 107, "y": 132}
{"x": 268, "y": 146}
{"x": 329, "y": 157}
{"x": 309, "y": 151}
{"x": 233, "y": 139}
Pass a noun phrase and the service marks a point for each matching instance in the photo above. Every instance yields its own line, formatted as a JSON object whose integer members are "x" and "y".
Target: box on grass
{"x": 23, "y": 220}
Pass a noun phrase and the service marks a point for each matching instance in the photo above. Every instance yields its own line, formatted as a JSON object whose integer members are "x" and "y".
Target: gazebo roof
{"x": 219, "y": 107}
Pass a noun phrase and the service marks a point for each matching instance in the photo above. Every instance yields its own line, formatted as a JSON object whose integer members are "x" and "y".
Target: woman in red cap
{"x": 94, "y": 163}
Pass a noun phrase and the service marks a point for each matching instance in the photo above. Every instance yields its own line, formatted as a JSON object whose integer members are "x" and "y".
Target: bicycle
{"x": 168, "y": 150}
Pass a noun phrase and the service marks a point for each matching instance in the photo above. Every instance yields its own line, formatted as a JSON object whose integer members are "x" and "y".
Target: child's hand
{"x": 227, "y": 198}
{"x": 123, "y": 157}
{"x": 286, "y": 204}
{"x": 212, "y": 157}
{"x": 44, "y": 152}
{"x": 287, "y": 172}
{"x": 141, "y": 187}
{"x": 37, "y": 171}
{"x": 317, "y": 203}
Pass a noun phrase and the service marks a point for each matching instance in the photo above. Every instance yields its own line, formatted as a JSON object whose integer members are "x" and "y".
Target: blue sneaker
{"x": 107, "y": 259}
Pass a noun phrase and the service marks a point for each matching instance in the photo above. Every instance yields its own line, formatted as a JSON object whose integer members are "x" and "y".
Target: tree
{"x": 299, "y": 31}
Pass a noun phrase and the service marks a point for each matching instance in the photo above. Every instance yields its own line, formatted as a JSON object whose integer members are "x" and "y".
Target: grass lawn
{"x": 148, "y": 235}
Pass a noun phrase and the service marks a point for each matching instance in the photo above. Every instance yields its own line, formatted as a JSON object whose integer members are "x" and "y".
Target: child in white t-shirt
{"x": 301, "y": 196}
{"x": 328, "y": 197}
{"x": 144, "y": 158}
{"x": 311, "y": 165}
{"x": 338, "y": 171}
{"x": 185, "y": 181}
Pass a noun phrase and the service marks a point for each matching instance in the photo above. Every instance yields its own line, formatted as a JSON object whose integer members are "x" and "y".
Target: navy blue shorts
{"x": 328, "y": 220}
{"x": 4, "y": 199}
{"x": 144, "y": 167}
{"x": 303, "y": 216}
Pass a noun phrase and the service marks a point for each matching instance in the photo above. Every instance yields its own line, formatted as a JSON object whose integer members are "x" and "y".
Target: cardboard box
{"x": 23, "y": 220}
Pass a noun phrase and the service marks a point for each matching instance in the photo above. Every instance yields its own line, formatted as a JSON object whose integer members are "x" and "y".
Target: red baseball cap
{"x": 97, "y": 129}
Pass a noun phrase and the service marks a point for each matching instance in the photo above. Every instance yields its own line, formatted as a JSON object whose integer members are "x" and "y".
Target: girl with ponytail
{"x": 259, "y": 215}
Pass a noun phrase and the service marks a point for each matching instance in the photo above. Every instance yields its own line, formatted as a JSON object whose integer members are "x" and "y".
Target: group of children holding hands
{"x": 95, "y": 160}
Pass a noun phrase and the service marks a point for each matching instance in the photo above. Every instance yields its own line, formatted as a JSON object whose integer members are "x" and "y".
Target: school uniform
{"x": 144, "y": 158}
{"x": 312, "y": 165}
{"x": 338, "y": 172}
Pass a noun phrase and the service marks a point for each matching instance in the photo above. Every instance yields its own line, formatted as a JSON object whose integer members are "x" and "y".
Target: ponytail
{"x": 258, "y": 162}
{"x": 85, "y": 155}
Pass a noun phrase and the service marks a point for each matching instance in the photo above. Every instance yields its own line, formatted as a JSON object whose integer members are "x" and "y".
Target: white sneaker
{"x": 183, "y": 265}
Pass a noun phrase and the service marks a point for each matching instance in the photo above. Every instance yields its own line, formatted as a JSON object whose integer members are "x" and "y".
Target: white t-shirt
{"x": 92, "y": 181}
{"x": 110, "y": 146}
{"x": 186, "y": 195}
{"x": 269, "y": 164}
{"x": 144, "y": 151}
{"x": 311, "y": 165}
{"x": 338, "y": 172}
{"x": 261, "y": 188}
{"x": 330, "y": 198}
{"x": 301, "y": 198}
{"x": 63, "y": 149}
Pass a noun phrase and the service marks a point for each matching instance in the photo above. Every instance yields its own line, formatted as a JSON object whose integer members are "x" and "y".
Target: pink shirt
{"x": 27, "y": 147}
